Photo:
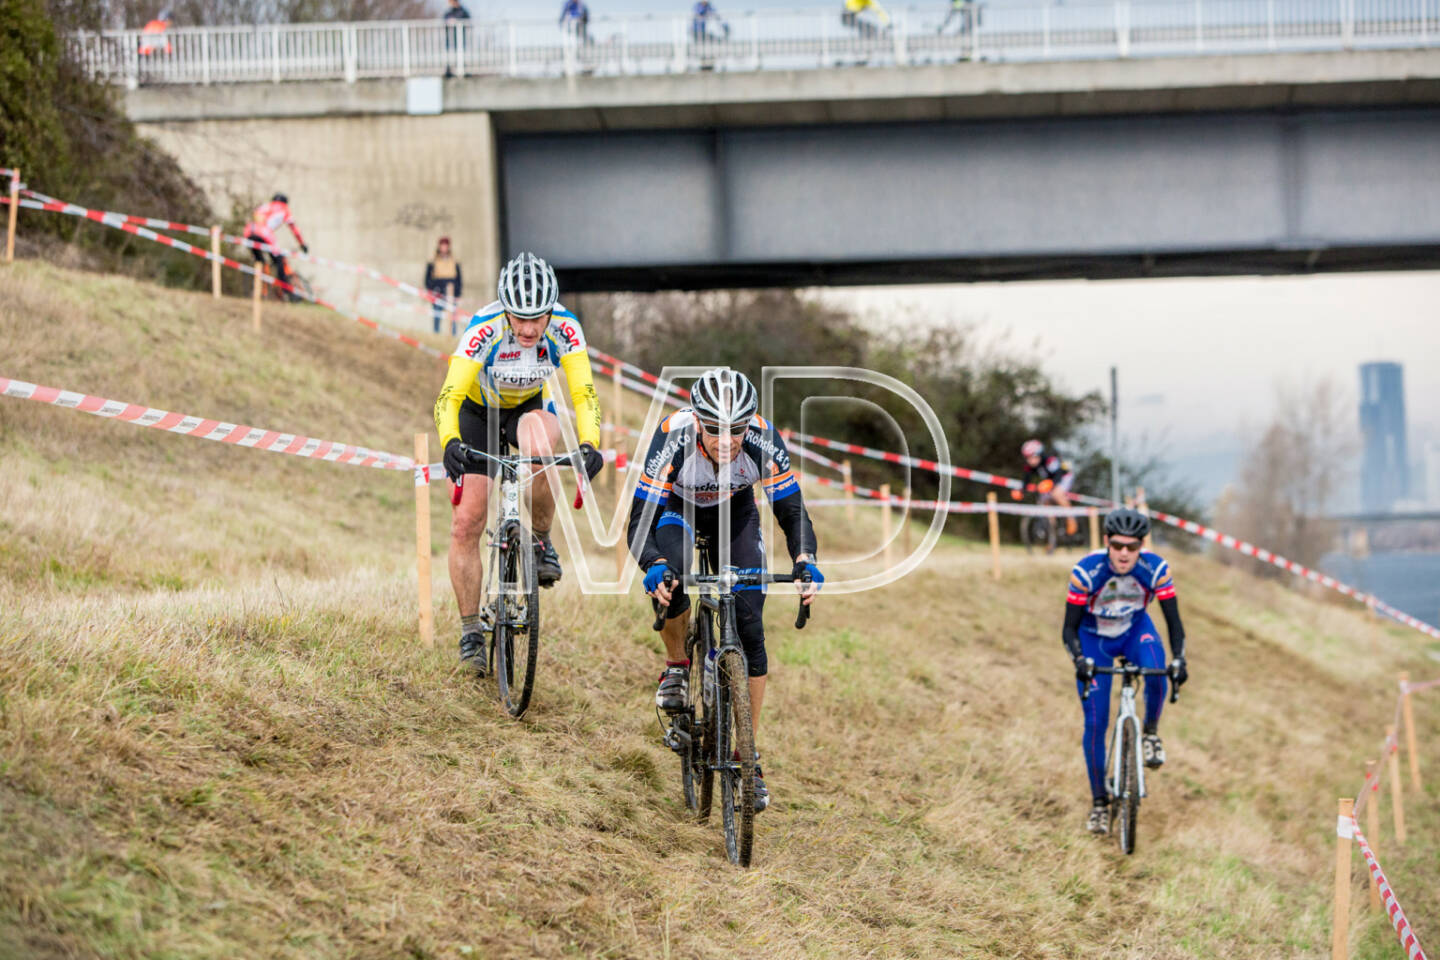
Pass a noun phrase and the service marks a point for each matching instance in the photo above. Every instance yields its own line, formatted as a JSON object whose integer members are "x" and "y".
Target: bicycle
{"x": 1041, "y": 530}
{"x": 714, "y": 734}
{"x": 510, "y": 597}
{"x": 1126, "y": 784}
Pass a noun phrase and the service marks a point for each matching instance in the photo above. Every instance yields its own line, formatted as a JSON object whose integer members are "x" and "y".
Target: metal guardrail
{"x": 782, "y": 40}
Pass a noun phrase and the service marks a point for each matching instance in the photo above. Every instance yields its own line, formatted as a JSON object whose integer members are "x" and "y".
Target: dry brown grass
{"x": 256, "y": 759}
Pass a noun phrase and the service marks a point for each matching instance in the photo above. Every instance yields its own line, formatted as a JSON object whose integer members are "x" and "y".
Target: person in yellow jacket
{"x": 496, "y": 387}
{"x": 853, "y": 8}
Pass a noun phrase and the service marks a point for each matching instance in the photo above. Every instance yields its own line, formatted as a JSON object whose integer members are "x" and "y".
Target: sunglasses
{"x": 1125, "y": 546}
{"x": 736, "y": 431}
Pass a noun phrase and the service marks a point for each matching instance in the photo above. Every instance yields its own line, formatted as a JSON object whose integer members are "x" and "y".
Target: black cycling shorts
{"x": 484, "y": 428}
{"x": 675, "y": 536}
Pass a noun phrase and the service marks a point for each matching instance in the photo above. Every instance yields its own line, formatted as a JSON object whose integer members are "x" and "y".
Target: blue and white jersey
{"x": 677, "y": 466}
{"x": 1112, "y": 600}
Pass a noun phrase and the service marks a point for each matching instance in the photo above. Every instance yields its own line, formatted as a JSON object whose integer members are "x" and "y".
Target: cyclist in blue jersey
{"x": 1105, "y": 618}
{"x": 704, "y": 463}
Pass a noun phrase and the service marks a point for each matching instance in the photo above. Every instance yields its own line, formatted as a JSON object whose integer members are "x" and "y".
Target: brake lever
{"x": 803, "y": 616}
{"x": 659, "y": 623}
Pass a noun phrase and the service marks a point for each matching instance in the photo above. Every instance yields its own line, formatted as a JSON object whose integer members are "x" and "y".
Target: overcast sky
{"x": 1199, "y": 360}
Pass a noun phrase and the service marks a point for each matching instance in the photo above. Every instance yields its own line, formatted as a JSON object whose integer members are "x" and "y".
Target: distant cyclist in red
{"x": 264, "y": 224}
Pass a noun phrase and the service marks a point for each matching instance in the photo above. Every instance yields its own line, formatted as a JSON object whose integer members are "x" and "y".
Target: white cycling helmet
{"x": 1032, "y": 448}
{"x": 527, "y": 287}
{"x": 724, "y": 396}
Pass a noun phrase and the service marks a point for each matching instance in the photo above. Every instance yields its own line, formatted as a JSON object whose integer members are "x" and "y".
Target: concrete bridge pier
{"x": 377, "y": 189}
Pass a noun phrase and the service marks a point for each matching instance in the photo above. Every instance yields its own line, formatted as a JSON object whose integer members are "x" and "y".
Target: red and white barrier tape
{"x": 1417, "y": 687}
{"x": 952, "y": 506}
{"x": 1398, "y": 920}
{"x": 645, "y": 375}
{"x": 240, "y": 435}
{"x": 7, "y": 172}
{"x": 118, "y": 222}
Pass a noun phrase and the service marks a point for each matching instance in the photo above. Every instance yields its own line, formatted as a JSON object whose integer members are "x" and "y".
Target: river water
{"x": 1410, "y": 581}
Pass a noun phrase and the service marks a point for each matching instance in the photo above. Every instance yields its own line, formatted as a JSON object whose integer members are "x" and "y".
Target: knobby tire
{"x": 738, "y": 798}
{"x": 517, "y": 622}
{"x": 1129, "y": 813}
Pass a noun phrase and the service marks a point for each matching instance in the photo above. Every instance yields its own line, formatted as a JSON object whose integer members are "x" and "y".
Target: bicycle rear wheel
{"x": 737, "y": 784}
{"x": 517, "y": 620}
{"x": 1128, "y": 814}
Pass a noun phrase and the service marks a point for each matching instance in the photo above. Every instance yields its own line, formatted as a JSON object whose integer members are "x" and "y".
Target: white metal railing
{"x": 779, "y": 40}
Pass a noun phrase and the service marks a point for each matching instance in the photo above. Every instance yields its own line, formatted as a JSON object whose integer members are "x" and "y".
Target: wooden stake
{"x": 1372, "y": 822}
{"x": 622, "y": 555}
{"x": 1340, "y": 944}
{"x": 1144, "y": 508}
{"x": 255, "y": 298}
{"x": 1407, "y": 712}
{"x": 887, "y": 530}
{"x": 215, "y": 264}
{"x": 617, "y": 417}
{"x": 1094, "y": 528}
{"x": 422, "y": 545}
{"x": 994, "y": 533}
{"x": 849, "y": 480}
{"x": 1397, "y": 805}
{"x": 14, "y": 212}
{"x": 905, "y": 519}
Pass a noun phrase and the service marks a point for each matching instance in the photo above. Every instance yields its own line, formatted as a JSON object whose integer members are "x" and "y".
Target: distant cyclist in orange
{"x": 153, "y": 39}
{"x": 1051, "y": 476}
{"x": 264, "y": 223}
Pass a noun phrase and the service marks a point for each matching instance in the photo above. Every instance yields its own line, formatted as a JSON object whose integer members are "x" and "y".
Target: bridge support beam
{"x": 374, "y": 190}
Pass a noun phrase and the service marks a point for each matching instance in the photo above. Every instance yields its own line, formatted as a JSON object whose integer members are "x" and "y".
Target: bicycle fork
{"x": 1126, "y": 715}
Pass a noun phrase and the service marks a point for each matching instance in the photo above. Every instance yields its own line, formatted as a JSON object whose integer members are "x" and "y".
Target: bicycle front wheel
{"x": 693, "y": 770}
{"x": 1128, "y": 814}
{"x": 517, "y": 620}
{"x": 737, "y": 782}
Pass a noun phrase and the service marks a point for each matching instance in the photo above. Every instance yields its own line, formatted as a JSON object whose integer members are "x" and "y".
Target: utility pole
{"x": 1114, "y": 438}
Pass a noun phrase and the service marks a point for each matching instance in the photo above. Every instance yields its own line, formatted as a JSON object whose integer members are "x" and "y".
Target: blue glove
{"x": 802, "y": 568}
{"x": 655, "y": 576}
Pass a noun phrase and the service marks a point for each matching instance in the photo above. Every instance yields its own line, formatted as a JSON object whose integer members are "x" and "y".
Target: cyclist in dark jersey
{"x": 1050, "y": 476}
{"x": 703, "y": 464}
{"x": 1105, "y": 618}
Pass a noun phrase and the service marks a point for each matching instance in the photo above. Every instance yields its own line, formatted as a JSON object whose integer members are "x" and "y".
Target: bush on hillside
{"x": 71, "y": 140}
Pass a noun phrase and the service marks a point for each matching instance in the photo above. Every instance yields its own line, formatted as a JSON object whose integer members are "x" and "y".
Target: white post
{"x": 404, "y": 49}
{"x": 352, "y": 53}
{"x": 824, "y": 40}
{"x": 1199, "y": 25}
{"x": 1044, "y": 31}
{"x": 460, "y": 49}
{"x": 755, "y": 39}
{"x": 679, "y": 45}
{"x": 205, "y": 58}
{"x": 975, "y": 34}
{"x": 275, "y": 52}
{"x": 1347, "y": 24}
{"x": 1270, "y": 23}
{"x": 625, "y": 65}
{"x": 1122, "y": 28}
{"x": 514, "y": 64}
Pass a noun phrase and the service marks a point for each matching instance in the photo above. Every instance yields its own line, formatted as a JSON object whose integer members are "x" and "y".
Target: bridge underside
{"x": 1094, "y": 197}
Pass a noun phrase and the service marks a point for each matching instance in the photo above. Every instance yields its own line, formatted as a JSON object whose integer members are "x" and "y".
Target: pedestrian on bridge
{"x": 575, "y": 19}
{"x": 453, "y": 25}
{"x": 442, "y": 278}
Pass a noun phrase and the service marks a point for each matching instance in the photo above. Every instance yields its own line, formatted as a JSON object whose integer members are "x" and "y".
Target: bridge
{"x": 1105, "y": 140}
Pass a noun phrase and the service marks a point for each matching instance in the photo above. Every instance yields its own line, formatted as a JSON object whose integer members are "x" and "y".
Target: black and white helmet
{"x": 724, "y": 396}
{"x": 1126, "y": 522}
{"x": 527, "y": 287}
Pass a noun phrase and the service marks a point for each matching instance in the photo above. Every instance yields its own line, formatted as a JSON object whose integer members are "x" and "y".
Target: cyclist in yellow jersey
{"x": 497, "y": 388}
{"x": 854, "y": 8}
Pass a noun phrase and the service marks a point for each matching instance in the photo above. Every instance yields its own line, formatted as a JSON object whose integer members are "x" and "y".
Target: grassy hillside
{"x": 219, "y": 738}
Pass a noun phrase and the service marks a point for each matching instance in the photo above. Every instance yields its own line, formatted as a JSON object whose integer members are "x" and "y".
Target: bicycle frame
{"x": 1125, "y": 715}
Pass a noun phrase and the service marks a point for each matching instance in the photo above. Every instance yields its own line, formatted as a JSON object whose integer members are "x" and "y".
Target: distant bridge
{"x": 1117, "y": 139}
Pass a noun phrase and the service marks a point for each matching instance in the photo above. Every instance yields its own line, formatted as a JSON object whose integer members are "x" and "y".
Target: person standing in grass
{"x": 1105, "y": 618}
{"x": 442, "y": 278}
